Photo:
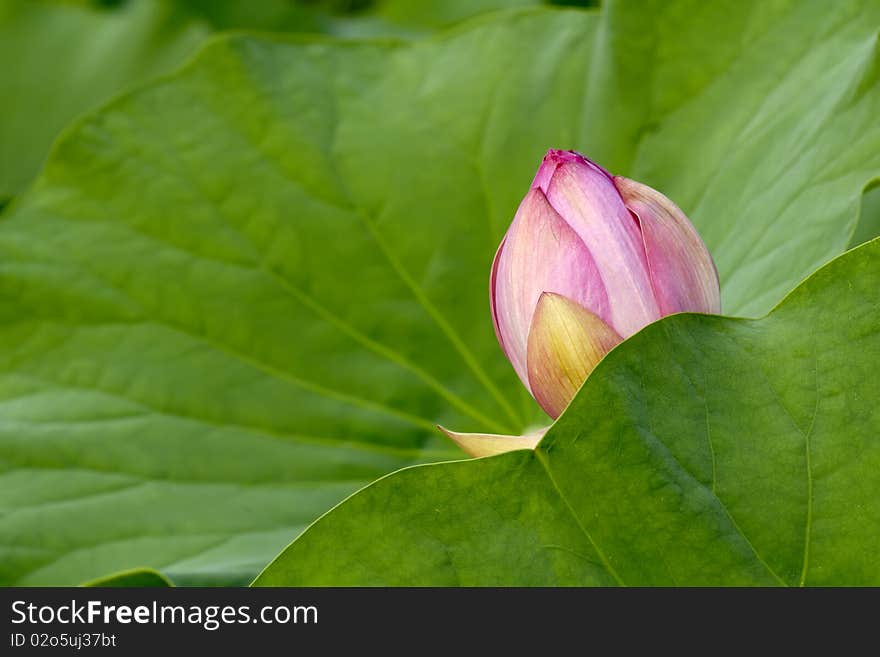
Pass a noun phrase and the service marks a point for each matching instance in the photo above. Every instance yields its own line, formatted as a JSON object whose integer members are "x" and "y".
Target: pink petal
{"x": 489, "y": 444}
{"x": 566, "y": 342}
{"x": 492, "y": 285}
{"x": 683, "y": 275}
{"x": 590, "y": 203}
{"x": 540, "y": 253}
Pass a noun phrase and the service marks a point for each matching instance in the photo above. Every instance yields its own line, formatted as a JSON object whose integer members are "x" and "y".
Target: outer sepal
{"x": 565, "y": 343}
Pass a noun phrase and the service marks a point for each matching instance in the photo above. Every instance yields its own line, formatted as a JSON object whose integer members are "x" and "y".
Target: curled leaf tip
{"x": 490, "y": 444}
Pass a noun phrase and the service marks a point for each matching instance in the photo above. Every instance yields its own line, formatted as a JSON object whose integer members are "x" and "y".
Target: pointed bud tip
{"x": 556, "y": 158}
{"x": 559, "y": 157}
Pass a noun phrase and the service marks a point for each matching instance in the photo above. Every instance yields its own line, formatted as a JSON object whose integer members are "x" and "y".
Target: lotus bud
{"x": 589, "y": 259}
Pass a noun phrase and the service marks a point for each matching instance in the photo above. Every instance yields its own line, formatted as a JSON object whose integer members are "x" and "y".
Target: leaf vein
{"x": 606, "y": 563}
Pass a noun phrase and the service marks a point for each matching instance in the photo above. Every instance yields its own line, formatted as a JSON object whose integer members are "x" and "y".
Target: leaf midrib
{"x": 542, "y": 454}
{"x": 148, "y": 410}
{"x": 543, "y": 459}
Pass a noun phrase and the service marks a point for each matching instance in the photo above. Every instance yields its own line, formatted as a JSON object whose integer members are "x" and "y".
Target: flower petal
{"x": 493, "y": 277}
{"x": 489, "y": 444}
{"x": 588, "y": 201}
{"x": 539, "y": 253}
{"x": 565, "y": 344}
{"x": 683, "y": 274}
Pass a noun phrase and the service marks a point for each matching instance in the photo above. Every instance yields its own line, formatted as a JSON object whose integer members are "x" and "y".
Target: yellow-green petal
{"x": 566, "y": 341}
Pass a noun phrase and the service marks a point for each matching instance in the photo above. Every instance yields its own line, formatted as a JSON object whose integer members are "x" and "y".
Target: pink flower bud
{"x": 590, "y": 259}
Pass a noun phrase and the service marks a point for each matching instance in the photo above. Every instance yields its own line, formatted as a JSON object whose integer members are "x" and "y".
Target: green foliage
{"x": 758, "y": 118}
{"x": 238, "y": 295}
{"x": 65, "y": 57}
{"x": 702, "y": 451}
{"x": 60, "y": 60}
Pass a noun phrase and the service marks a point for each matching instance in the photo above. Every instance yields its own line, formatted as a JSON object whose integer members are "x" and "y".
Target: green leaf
{"x": 702, "y": 451}
{"x": 61, "y": 60}
{"x": 758, "y": 118}
{"x": 137, "y": 577}
{"x": 237, "y": 296}
{"x": 70, "y": 56}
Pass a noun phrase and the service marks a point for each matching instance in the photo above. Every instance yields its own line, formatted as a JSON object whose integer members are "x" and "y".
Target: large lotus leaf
{"x": 702, "y": 451}
{"x": 236, "y": 296}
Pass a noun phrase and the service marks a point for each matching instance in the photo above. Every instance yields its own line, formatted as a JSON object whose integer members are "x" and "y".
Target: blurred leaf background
{"x": 61, "y": 58}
